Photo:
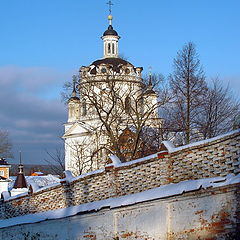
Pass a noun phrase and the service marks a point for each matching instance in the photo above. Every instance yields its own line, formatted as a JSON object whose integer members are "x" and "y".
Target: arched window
{"x": 113, "y": 49}
{"x": 109, "y": 48}
{"x": 141, "y": 105}
{"x": 127, "y": 104}
{"x": 84, "y": 108}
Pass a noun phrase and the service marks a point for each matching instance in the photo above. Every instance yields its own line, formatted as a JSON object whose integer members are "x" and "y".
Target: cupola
{"x": 20, "y": 185}
{"x": 110, "y": 41}
{"x": 73, "y": 104}
{"x": 149, "y": 90}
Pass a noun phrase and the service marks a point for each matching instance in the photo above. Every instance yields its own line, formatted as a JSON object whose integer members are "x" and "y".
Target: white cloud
{"x": 34, "y": 122}
{"x": 32, "y": 79}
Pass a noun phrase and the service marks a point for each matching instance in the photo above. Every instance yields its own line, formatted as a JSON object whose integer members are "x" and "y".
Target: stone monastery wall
{"x": 217, "y": 157}
{"x": 185, "y": 216}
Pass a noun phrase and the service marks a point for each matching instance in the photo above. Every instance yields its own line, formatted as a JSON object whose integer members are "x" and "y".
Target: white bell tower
{"x": 110, "y": 38}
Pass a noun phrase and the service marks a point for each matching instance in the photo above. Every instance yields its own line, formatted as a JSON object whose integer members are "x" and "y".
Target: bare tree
{"x": 189, "y": 87}
{"x": 112, "y": 106}
{"x": 119, "y": 107}
{"x": 67, "y": 89}
{"x": 219, "y": 110}
{"x": 56, "y": 161}
{"x": 5, "y": 145}
{"x": 83, "y": 160}
{"x": 158, "y": 81}
{"x": 199, "y": 111}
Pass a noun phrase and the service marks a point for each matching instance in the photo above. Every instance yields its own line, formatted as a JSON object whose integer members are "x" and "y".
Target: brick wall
{"x": 214, "y": 158}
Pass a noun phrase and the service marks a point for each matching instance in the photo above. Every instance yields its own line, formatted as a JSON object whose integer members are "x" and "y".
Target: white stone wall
{"x": 3, "y": 186}
{"x": 205, "y": 214}
{"x": 218, "y": 157}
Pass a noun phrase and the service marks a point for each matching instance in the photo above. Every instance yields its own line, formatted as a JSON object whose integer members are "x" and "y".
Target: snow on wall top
{"x": 170, "y": 147}
{"x": 156, "y": 193}
{"x": 41, "y": 183}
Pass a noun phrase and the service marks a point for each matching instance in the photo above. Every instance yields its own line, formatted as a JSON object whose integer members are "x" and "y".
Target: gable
{"x": 78, "y": 129}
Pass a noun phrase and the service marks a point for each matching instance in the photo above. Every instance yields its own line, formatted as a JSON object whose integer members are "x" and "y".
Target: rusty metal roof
{"x": 20, "y": 180}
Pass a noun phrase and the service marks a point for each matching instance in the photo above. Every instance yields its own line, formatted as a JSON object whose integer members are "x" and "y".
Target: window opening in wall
{"x": 127, "y": 104}
{"x": 113, "y": 49}
{"x": 1, "y": 173}
{"x": 109, "y": 48}
{"x": 84, "y": 108}
{"x": 142, "y": 106}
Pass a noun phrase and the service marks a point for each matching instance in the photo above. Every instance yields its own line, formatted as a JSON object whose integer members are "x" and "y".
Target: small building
{"x": 4, "y": 175}
{"x": 20, "y": 185}
{"x": 4, "y": 168}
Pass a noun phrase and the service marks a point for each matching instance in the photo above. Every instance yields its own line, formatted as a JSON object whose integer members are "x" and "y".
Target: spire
{"x": 110, "y": 4}
{"x": 74, "y": 92}
{"x": 20, "y": 157}
{"x": 110, "y": 37}
{"x": 110, "y": 31}
{"x": 149, "y": 89}
{"x": 20, "y": 166}
{"x": 110, "y": 12}
{"x": 20, "y": 180}
{"x": 150, "y": 77}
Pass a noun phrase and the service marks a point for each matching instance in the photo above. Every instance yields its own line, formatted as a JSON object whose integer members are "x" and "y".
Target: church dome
{"x": 110, "y": 32}
{"x": 111, "y": 61}
{"x": 73, "y": 99}
{"x": 114, "y": 63}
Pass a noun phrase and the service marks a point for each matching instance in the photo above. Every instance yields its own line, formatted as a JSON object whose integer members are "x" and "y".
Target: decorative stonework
{"x": 214, "y": 158}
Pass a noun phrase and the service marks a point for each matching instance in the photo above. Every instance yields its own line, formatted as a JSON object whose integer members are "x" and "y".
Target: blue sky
{"x": 44, "y": 42}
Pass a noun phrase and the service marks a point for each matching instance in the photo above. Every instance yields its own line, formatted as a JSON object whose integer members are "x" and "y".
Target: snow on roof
{"x": 152, "y": 194}
{"x": 40, "y": 181}
{"x": 170, "y": 147}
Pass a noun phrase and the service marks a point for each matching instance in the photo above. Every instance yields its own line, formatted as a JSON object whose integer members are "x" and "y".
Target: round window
{"x": 104, "y": 70}
{"x": 127, "y": 71}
